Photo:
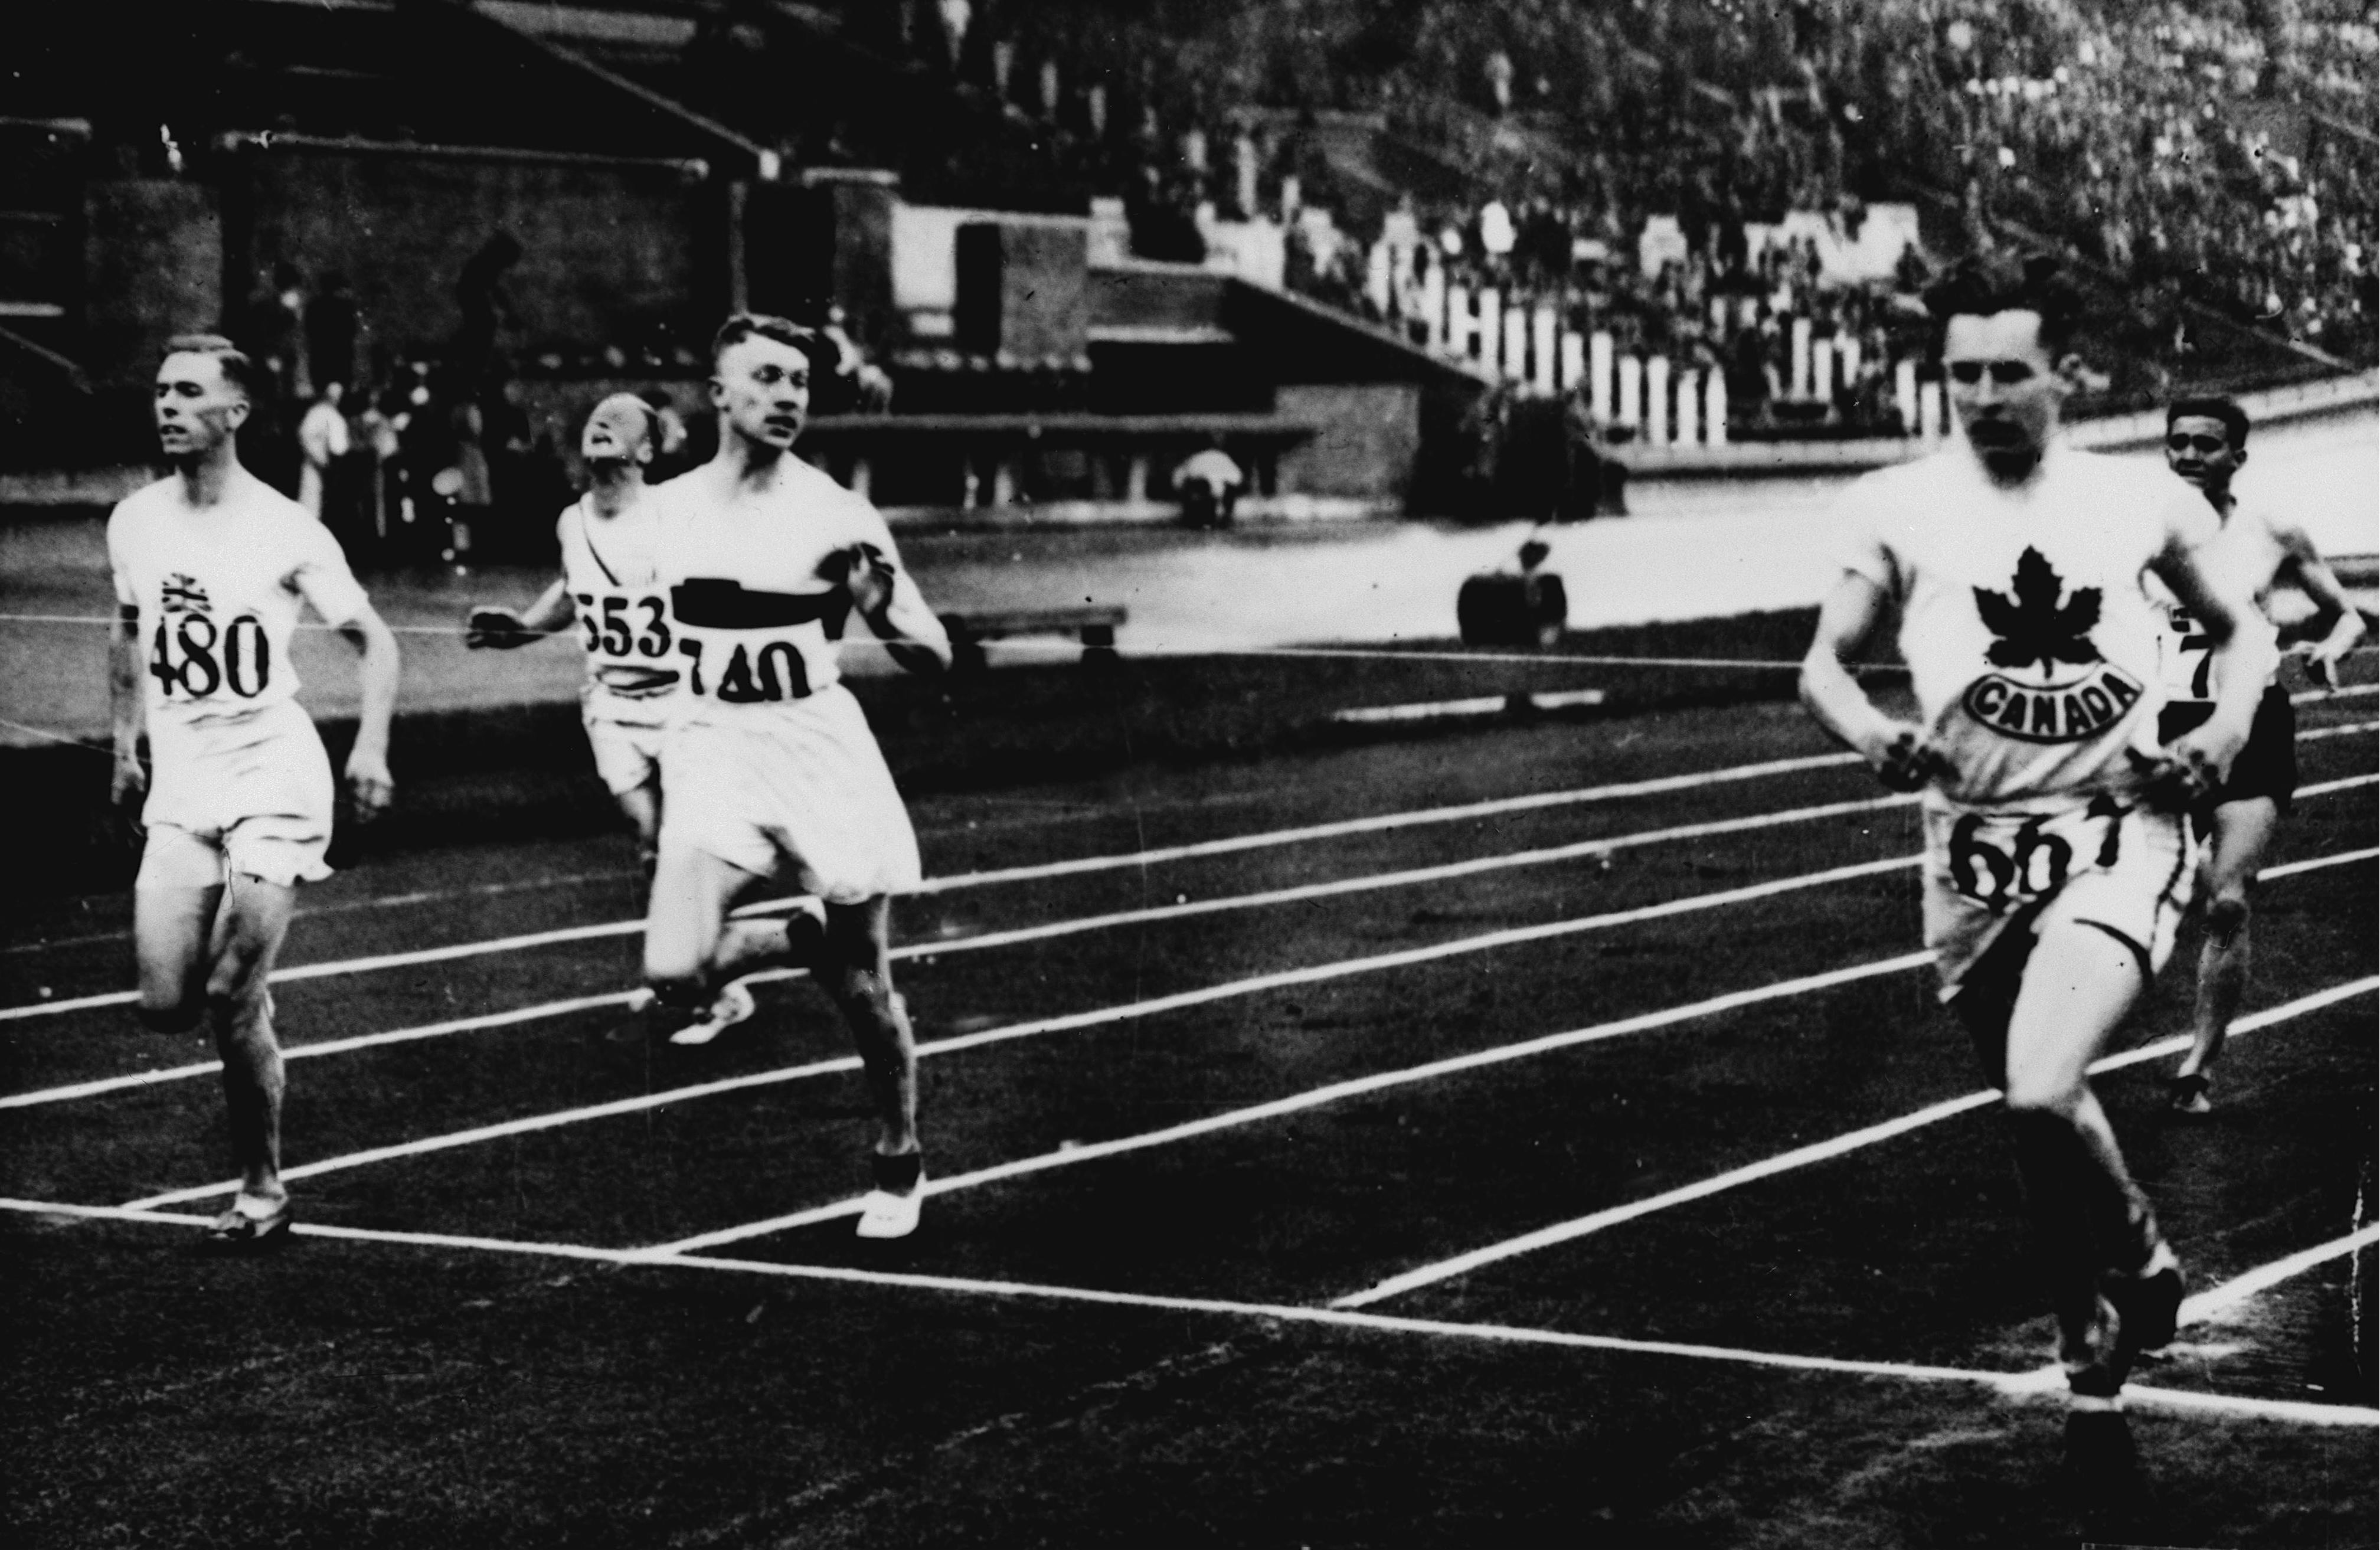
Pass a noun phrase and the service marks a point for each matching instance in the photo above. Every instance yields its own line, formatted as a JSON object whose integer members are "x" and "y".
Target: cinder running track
{"x": 1547, "y": 1136}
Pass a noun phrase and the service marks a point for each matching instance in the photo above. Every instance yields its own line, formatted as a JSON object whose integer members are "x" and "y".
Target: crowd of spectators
{"x": 2194, "y": 156}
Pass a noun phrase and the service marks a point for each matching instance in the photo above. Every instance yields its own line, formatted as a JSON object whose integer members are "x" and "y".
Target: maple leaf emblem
{"x": 2034, "y": 626}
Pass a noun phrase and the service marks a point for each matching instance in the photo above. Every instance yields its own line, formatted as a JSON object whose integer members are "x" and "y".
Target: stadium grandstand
{"x": 1395, "y": 257}
{"x": 1396, "y": 670}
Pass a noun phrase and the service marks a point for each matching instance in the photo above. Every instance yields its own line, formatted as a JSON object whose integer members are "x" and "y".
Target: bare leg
{"x": 2242, "y": 832}
{"x": 247, "y": 938}
{"x": 856, "y": 970}
{"x": 642, "y": 807}
{"x": 173, "y": 930}
{"x": 683, "y": 922}
{"x": 2091, "y": 1216}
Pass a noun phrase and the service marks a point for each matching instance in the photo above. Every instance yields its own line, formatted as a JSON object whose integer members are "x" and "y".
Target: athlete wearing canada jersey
{"x": 2033, "y": 649}
{"x": 2055, "y": 856}
{"x": 2031, "y": 643}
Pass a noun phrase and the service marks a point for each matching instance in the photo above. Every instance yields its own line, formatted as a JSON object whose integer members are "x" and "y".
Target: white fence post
{"x": 1598, "y": 376}
{"x": 1632, "y": 391}
{"x": 1657, "y": 402}
{"x": 1715, "y": 408}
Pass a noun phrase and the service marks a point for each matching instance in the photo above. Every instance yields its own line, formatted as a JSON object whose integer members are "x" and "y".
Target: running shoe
{"x": 2187, "y": 1094}
{"x": 237, "y": 1232}
{"x": 2148, "y": 1303}
{"x": 734, "y": 1005}
{"x": 890, "y": 1208}
{"x": 2095, "y": 1367}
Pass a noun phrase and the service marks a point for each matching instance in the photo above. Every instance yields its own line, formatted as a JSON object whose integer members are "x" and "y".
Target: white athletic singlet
{"x": 2249, "y": 553}
{"x": 611, "y": 566}
{"x": 2033, "y": 646}
{"x": 758, "y": 623}
{"x": 219, "y": 592}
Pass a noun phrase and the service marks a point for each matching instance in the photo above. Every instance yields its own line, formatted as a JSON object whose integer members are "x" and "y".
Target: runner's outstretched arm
{"x": 127, "y": 710}
{"x": 367, "y": 774}
{"x": 503, "y": 628}
{"x": 2304, "y": 564}
{"x": 1899, "y": 752}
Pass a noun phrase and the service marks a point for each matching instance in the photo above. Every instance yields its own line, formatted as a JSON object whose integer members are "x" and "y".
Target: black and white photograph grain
{"x": 1190, "y": 775}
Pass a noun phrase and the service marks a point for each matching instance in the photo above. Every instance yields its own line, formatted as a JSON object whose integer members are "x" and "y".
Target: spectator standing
{"x": 323, "y": 439}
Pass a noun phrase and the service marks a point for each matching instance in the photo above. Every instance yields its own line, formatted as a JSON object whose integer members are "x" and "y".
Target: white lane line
{"x": 930, "y": 949}
{"x": 1317, "y": 1097}
{"x": 2315, "y": 696}
{"x": 1074, "y": 1021}
{"x": 1804, "y": 1157}
{"x": 1157, "y": 913}
{"x": 1377, "y": 823}
{"x": 2014, "y": 1386}
{"x": 2211, "y": 1305}
{"x": 323, "y": 1047}
{"x": 1278, "y": 980}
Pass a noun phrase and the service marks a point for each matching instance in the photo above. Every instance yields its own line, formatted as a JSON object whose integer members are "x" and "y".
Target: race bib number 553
{"x": 2003, "y": 861}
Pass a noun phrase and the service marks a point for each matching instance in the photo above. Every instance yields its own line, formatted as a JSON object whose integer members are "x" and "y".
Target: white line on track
{"x": 1097, "y": 1017}
{"x": 100, "y": 1085}
{"x": 1804, "y": 1157}
{"x": 2014, "y": 1386}
{"x": 1317, "y": 1097}
{"x": 1377, "y": 823}
{"x": 1011, "y": 937}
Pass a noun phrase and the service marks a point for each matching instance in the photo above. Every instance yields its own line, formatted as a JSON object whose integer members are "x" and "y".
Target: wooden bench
{"x": 1092, "y": 623}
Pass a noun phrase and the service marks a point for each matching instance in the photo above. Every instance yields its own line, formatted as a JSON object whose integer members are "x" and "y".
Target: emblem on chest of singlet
{"x": 2059, "y": 688}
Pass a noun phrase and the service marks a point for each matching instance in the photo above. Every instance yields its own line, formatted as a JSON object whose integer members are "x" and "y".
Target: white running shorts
{"x": 804, "y": 782}
{"x": 252, "y": 796}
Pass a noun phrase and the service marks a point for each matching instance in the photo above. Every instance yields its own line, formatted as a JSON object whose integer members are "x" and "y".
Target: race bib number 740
{"x": 2003, "y": 861}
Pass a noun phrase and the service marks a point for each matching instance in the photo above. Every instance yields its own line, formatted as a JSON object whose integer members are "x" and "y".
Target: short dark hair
{"x": 764, "y": 325}
{"x": 236, "y": 367}
{"x": 1985, "y": 284}
{"x": 2212, "y": 407}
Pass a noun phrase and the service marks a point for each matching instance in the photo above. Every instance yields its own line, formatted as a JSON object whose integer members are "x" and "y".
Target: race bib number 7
{"x": 2185, "y": 658}
{"x": 2004, "y": 861}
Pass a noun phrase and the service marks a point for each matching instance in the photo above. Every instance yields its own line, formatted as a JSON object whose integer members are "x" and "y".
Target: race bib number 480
{"x": 191, "y": 658}
{"x": 2004, "y": 861}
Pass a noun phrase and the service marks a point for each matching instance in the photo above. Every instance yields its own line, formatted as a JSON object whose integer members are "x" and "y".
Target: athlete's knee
{"x": 2028, "y": 1092}
{"x": 2227, "y": 914}
{"x": 864, "y": 992}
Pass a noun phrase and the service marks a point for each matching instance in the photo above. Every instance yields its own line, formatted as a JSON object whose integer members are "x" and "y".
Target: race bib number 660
{"x": 2003, "y": 861}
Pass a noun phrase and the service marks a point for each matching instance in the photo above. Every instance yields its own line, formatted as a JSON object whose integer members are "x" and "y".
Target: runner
{"x": 611, "y": 558}
{"x": 769, "y": 758}
{"x": 211, "y": 566}
{"x": 2206, "y": 444}
{"x": 2057, "y": 863}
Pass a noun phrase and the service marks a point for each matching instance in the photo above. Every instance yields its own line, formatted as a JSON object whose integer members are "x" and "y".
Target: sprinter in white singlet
{"x": 212, "y": 567}
{"x": 2056, "y": 862}
{"x": 768, "y": 760}
{"x": 610, "y": 583}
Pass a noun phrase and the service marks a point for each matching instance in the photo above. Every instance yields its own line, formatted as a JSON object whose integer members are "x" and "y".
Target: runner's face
{"x": 2004, "y": 387}
{"x": 616, "y": 433}
{"x": 2199, "y": 449}
{"x": 196, "y": 408}
{"x": 763, "y": 389}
